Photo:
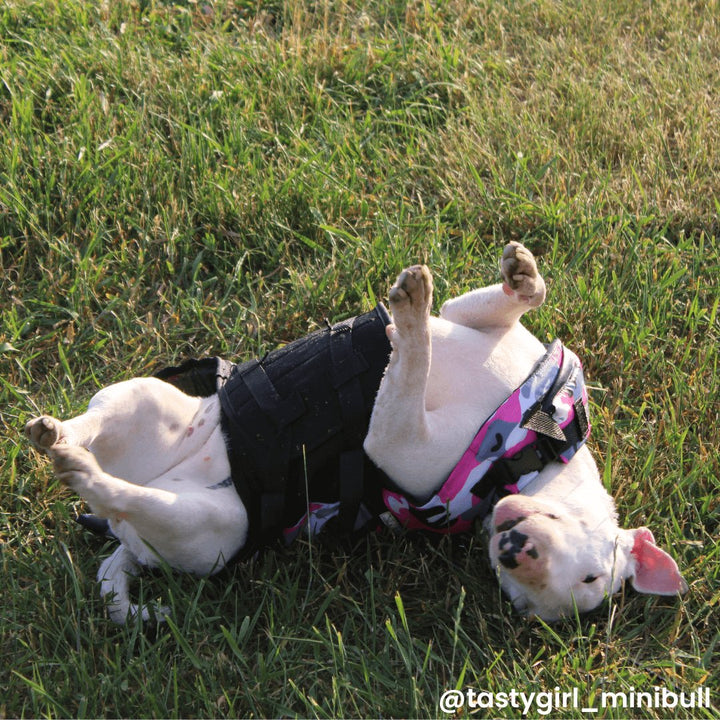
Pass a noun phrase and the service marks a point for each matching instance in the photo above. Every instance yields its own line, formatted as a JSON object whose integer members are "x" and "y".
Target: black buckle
{"x": 507, "y": 471}
{"x": 547, "y": 450}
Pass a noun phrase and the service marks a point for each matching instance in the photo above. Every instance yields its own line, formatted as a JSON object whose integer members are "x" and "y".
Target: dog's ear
{"x": 652, "y": 570}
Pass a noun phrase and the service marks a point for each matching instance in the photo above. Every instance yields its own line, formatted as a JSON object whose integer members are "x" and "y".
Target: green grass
{"x": 190, "y": 178}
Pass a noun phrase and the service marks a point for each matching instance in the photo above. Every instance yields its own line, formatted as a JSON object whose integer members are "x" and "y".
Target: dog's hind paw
{"x": 153, "y": 614}
{"x": 44, "y": 432}
{"x": 75, "y": 467}
{"x": 520, "y": 274}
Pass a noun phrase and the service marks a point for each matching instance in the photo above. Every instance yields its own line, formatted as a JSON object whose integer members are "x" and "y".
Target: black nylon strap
{"x": 346, "y": 363}
{"x": 352, "y": 469}
{"x": 346, "y": 366}
{"x": 282, "y": 411}
{"x": 272, "y": 508}
{"x": 259, "y": 452}
{"x": 534, "y": 457}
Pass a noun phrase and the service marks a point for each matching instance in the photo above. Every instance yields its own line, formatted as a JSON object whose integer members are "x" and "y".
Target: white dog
{"x": 474, "y": 418}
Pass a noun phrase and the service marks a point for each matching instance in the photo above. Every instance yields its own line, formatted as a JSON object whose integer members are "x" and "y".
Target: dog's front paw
{"x": 520, "y": 274}
{"x": 120, "y": 613}
{"x": 411, "y": 295}
{"x": 44, "y": 432}
{"x": 74, "y": 466}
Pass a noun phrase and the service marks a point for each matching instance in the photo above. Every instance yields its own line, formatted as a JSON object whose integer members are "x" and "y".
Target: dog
{"x": 157, "y": 464}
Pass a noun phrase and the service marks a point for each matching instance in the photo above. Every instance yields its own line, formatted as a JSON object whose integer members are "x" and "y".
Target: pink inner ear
{"x": 655, "y": 571}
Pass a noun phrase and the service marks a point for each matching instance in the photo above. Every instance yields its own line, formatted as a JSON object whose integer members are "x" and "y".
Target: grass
{"x": 191, "y": 178}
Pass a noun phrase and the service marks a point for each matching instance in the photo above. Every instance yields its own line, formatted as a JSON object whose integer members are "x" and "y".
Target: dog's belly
{"x": 472, "y": 372}
{"x": 199, "y": 485}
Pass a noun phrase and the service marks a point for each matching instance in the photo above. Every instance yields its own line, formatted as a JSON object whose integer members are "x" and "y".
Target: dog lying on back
{"x": 427, "y": 423}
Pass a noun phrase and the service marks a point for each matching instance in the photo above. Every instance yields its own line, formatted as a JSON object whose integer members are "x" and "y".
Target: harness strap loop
{"x": 352, "y": 487}
{"x": 346, "y": 367}
{"x": 282, "y": 411}
{"x": 581, "y": 417}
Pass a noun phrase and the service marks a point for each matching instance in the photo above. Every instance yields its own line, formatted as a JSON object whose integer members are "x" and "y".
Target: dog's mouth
{"x": 510, "y": 523}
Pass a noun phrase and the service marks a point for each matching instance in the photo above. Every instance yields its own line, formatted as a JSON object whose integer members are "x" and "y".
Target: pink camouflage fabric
{"x": 455, "y": 506}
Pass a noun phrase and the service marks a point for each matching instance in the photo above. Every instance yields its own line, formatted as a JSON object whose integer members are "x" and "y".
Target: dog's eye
{"x": 590, "y": 578}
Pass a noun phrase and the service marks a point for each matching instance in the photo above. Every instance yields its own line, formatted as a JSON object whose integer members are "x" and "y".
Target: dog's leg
{"x": 402, "y": 390}
{"x": 114, "y": 576}
{"x": 109, "y": 408}
{"x": 399, "y": 428}
{"x": 155, "y": 522}
{"x": 137, "y": 429}
{"x": 501, "y": 305}
{"x": 108, "y": 496}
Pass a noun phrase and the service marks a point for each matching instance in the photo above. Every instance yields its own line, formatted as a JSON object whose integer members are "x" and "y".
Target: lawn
{"x": 185, "y": 178}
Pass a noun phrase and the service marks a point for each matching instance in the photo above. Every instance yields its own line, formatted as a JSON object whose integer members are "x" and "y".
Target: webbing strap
{"x": 352, "y": 487}
{"x": 281, "y": 411}
{"x": 346, "y": 367}
{"x": 260, "y": 452}
{"x": 534, "y": 457}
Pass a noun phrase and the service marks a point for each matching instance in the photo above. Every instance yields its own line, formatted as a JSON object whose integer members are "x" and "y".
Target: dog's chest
{"x": 544, "y": 420}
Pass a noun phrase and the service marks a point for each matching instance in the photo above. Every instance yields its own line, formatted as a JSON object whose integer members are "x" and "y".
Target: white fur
{"x": 156, "y": 455}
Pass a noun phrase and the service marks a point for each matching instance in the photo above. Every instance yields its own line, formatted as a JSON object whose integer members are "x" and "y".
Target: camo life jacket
{"x": 295, "y": 422}
{"x": 544, "y": 420}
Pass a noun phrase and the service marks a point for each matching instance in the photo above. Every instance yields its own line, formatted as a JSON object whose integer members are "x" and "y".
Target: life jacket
{"x": 295, "y": 422}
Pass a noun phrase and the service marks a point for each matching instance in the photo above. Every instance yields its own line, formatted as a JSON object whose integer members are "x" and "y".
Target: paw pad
{"x": 414, "y": 284}
{"x": 43, "y": 432}
{"x": 520, "y": 274}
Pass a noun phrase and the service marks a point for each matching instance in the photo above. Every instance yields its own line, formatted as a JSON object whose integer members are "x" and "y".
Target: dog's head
{"x": 551, "y": 560}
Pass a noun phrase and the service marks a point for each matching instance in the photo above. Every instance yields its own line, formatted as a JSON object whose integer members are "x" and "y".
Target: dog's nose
{"x": 510, "y": 545}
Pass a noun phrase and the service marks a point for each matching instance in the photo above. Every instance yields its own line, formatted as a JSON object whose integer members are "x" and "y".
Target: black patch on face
{"x": 509, "y": 524}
